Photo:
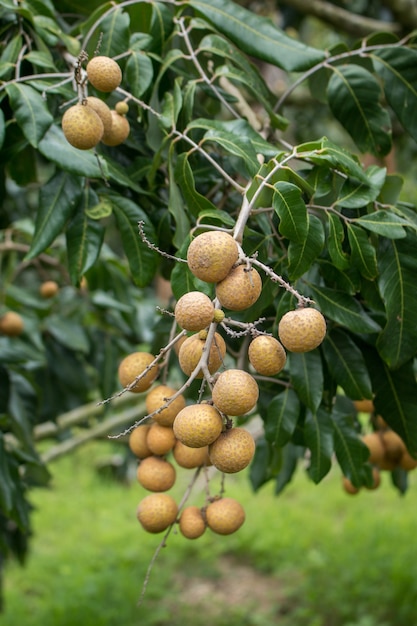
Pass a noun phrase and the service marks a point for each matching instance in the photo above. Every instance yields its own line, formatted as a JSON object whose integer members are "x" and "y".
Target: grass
{"x": 311, "y": 557}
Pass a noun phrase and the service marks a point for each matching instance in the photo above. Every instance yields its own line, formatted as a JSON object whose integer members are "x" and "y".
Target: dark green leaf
{"x": 69, "y": 333}
{"x": 266, "y": 463}
{"x": 7, "y": 485}
{"x": 362, "y": 252}
{"x": 354, "y": 95}
{"x": 57, "y": 202}
{"x": 323, "y": 151}
{"x": 114, "y": 33}
{"x": 357, "y": 194}
{"x": 346, "y": 364}
{"x": 257, "y": 36}
{"x": 176, "y": 207}
{"x": 291, "y": 454}
{"x": 385, "y": 223}
{"x": 282, "y": 416}
{"x": 184, "y": 176}
{"x": 335, "y": 242}
{"x": 238, "y": 146}
{"x": 302, "y": 255}
{"x": 292, "y": 211}
{"x": 397, "y": 276}
{"x": 56, "y": 148}
{"x": 31, "y": 111}
{"x": 306, "y": 375}
{"x": 142, "y": 260}
{"x": 139, "y": 73}
{"x": 350, "y": 451}
{"x": 318, "y": 433}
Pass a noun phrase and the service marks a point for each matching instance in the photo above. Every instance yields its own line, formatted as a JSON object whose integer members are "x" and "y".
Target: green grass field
{"x": 313, "y": 556}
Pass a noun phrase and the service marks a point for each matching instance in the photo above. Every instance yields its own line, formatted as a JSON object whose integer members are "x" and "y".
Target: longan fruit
{"x": 160, "y": 439}
{"x": 302, "y": 330}
{"x": 137, "y": 441}
{"x": 198, "y": 425}
{"x": 119, "y": 131}
{"x": 132, "y": 366}
{"x": 225, "y": 516}
{"x": 82, "y": 127}
{"x": 407, "y": 462}
{"x": 235, "y": 392}
{"x": 240, "y": 288}
{"x": 191, "y": 351}
{"x": 102, "y": 111}
{"x": 122, "y": 107}
{"x": 376, "y": 448}
{"x": 349, "y": 487}
{"x": 156, "y": 512}
{"x": 157, "y": 398}
{"x": 192, "y": 524}
{"x": 233, "y": 450}
{"x": 190, "y": 458}
{"x": 211, "y": 255}
{"x": 156, "y": 474}
{"x": 194, "y": 311}
{"x": 11, "y": 324}
{"x": 48, "y": 289}
{"x": 104, "y": 73}
{"x": 267, "y": 355}
{"x": 364, "y": 406}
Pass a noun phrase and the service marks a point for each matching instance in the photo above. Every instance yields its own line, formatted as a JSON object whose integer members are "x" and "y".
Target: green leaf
{"x": 265, "y": 464}
{"x": 84, "y": 238}
{"x": 2, "y": 128}
{"x": 318, "y": 433}
{"x": 257, "y": 36}
{"x": 362, "y": 252}
{"x": 56, "y": 148}
{"x": 9, "y": 56}
{"x": 351, "y": 452}
{"x": 354, "y": 95}
{"x": 282, "y": 417}
{"x": 343, "y": 309}
{"x": 291, "y": 209}
{"x": 68, "y": 333}
{"x": 335, "y": 240}
{"x": 385, "y": 223}
{"x": 397, "y": 276}
{"x": 346, "y": 364}
{"x": 7, "y": 486}
{"x": 290, "y": 456}
{"x": 184, "y": 176}
{"x": 176, "y": 206}
{"x": 142, "y": 260}
{"x": 238, "y": 146}
{"x": 306, "y": 376}
{"x": 302, "y": 255}
{"x": 356, "y": 194}
{"x": 31, "y": 111}
{"x": 41, "y": 59}
{"x": 324, "y": 152}
{"x": 138, "y": 73}
{"x": 396, "y": 66}
{"x": 114, "y": 33}
{"x": 57, "y": 201}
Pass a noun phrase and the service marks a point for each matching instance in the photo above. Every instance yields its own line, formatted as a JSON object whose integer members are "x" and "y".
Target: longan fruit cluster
{"x": 91, "y": 121}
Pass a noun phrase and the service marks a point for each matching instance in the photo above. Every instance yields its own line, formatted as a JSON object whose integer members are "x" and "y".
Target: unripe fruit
{"x": 132, "y": 366}
{"x": 194, "y": 311}
{"x": 156, "y": 474}
{"x": 157, "y": 397}
{"x": 82, "y": 127}
{"x": 122, "y": 107}
{"x": 349, "y": 487}
{"x": 267, "y": 355}
{"x": 48, "y": 289}
{"x": 119, "y": 131}
{"x": 102, "y": 111}
{"x": 156, "y": 512}
{"x": 160, "y": 439}
{"x": 211, "y": 255}
{"x": 192, "y": 524}
{"x": 364, "y": 406}
{"x": 239, "y": 289}
{"x": 189, "y": 458}
{"x": 198, "y": 425}
{"x": 235, "y": 392}
{"x": 191, "y": 352}
{"x": 104, "y": 73}
{"x": 302, "y": 330}
{"x": 11, "y": 324}
{"x": 232, "y": 451}
{"x": 218, "y": 316}
{"x": 137, "y": 441}
{"x": 225, "y": 516}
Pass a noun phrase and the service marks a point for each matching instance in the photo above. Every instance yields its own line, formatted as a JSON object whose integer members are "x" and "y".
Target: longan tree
{"x": 199, "y": 146}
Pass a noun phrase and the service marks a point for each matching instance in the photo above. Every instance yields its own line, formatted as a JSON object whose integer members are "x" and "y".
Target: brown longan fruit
{"x": 211, "y": 255}
{"x": 225, "y": 516}
{"x": 160, "y": 439}
{"x": 302, "y": 330}
{"x": 11, "y": 324}
{"x": 267, "y": 355}
{"x": 235, "y": 392}
{"x": 198, "y": 425}
{"x": 138, "y": 443}
{"x": 119, "y": 131}
{"x": 48, "y": 289}
{"x": 157, "y": 398}
{"x": 364, "y": 406}
{"x": 132, "y": 366}
{"x": 192, "y": 524}
{"x": 82, "y": 127}
{"x": 376, "y": 448}
{"x": 156, "y": 512}
{"x": 349, "y": 487}
{"x": 156, "y": 474}
{"x": 233, "y": 450}
{"x": 190, "y": 458}
{"x": 194, "y": 311}
{"x": 240, "y": 288}
{"x": 104, "y": 73}
{"x": 191, "y": 351}
{"x": 102, "y": 111}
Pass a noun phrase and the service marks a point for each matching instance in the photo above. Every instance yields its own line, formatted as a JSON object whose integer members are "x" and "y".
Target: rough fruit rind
{"x": 104, "y": 73}
{"x": 267, "y": 355}
{"x": 157, "y": 397}
{"x": 239, "y": 289}
{"x": 225, "y": 516}
{"x": 160, "y": 439}
{"x": 119, "y": 131}
{"x": 192, "y": 524}
{"x": 189, "y": 458}
{"x": 11, "y": 324}
{"x": 211, "y": 255}
{"x": 235, "y": 392}
{"x": 102, "y": 111}
{"x": 233, "y": 450}
{"x": 137, "y": 441}
{"x": 156, "y": 512}
{"x": 302, "y": 330}
{"x": 82, "y": 127}
{"x": 198, "y": 425}
{"x": 194, "y": 311}
{"x": 132, "y": 366}
{"x": 156, "y": 474}
{"x": 191, "y": 351}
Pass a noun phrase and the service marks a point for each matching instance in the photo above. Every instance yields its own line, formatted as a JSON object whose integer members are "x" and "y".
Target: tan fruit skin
{"x": 194, "y": 311}
{"x": 349, "y": 487}
{"x": 137, "y": 441}
{"x": 119, "y": 131}
{"x": 198, "y": 425}
{"x": 267, "y": 355}
{"x": 240, "y": 289}
{"x": 225, "y": 516}
{"x": 156, "y": 512}
{"x": 102, "y": 111}
{"x": 48, "y": 289}
{"x": 156, "y": 474}
{"x": 133, "y": 365}
{"x": 160, "y": 439}
{"x": 82, "y": 127}
{"x": 232, "y": 451}
{"x": 122, "y": 108}
{"x": 191, "y": 351}
{"x": 11, "y": 324}
{"x": 235, "y": 392}
{"x": 211, "y": 255}
{"x": 190, "y": 458}
{"x": 192, "y": 524}
{"x": 302, "y": 330}
{"x": 104, "y": 73}
{"x": 157, "y": 397}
